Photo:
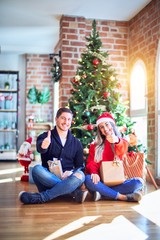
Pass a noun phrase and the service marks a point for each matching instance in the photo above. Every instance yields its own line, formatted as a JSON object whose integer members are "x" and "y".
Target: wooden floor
{"x": 65, "y": 219}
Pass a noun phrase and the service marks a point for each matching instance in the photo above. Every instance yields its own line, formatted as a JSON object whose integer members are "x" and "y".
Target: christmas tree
{"x": 96, "y": 89}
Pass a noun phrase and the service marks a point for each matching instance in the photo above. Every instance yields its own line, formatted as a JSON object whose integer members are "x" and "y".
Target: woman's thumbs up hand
{"x": 46, "y": 142}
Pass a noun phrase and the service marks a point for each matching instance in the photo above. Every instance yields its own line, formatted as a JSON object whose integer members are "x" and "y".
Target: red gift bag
{"x": 134, "y": 165}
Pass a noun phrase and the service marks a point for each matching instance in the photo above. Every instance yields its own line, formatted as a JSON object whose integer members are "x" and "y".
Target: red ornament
{"x": 95, "y": 62}
{"x": 119, "y": 85}
{"x": 123, "y": 129}
{"x": 90, "y": 127}
{"x": 106, "y": 94}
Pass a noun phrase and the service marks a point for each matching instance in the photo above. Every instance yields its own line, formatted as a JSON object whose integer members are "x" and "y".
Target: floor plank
{"x": 62, "y": 218}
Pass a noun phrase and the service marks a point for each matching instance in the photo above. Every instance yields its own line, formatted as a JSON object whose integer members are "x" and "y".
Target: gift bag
{"x": 134, "y": 165}
{"x": 112, "y": 172}
{"x": 55, "y": 167}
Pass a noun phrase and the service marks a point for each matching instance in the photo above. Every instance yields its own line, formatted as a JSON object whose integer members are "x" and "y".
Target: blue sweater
{"x": 71, "y": 154}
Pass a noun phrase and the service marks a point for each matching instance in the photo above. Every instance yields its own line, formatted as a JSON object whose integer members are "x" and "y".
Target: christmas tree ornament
{"x": 25, "y": 156}
{"x": 119, "y": 85}
{"x": 90, "y": 127}
{"x": 112, "y": 78}
{"x": 87, "y": 113}
{"x": 86, "y": 151}
{"x": 84, "y": 76}
{"x": 77, "y": 78}
{"x": 106, "y": 94}
{"x": 95, "y": 62}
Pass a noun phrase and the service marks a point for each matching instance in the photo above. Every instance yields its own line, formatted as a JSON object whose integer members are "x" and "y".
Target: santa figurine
{"x": 25, "y": 156}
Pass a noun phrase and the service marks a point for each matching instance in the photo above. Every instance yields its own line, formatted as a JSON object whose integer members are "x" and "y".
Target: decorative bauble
{"x": 122, "y": 129}
{"x": 119, "y": 85}
{"x": 95, "y": 62}
{"x": 90, "y": 127}
{"x": 75, "y": 81}
{"x": 77, "y": 78}
{"x": 72, "y": 91}
{"x": 87, "y": 113}
{"x": 106, "y": 94}
{"x": 84, "y": 76}
{"x": 85, "y": 150}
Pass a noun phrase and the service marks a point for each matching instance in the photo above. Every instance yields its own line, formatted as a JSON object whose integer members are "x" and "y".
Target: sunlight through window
{"x": 72, "y": 227}
{"x": 149, "y": 207}
{"x": 13, "y": 170}
{"x": 119, "y": 228}
{"x": 138, "y": 87}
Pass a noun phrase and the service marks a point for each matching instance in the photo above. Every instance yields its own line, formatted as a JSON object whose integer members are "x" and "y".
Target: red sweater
{"x": 120, "y": 148}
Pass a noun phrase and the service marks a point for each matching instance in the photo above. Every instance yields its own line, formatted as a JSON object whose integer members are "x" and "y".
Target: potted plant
{"x": 6, "y": 85}
{"x": 35, "y": 96}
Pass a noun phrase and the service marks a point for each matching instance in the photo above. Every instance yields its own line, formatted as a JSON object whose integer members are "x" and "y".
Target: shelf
{"x": 8, "y": 155}
{"x": 8, "y": 110}
{"x": 8, "y": 90}
{"x": 9, "y": 102}
{"x": 8, "y": 130}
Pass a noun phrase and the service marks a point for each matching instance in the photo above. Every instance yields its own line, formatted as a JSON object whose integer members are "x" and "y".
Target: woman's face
{"x": 105, "y": 128}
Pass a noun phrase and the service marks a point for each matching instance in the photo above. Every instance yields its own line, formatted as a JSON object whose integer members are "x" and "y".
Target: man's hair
{"x": 62, "y": 110}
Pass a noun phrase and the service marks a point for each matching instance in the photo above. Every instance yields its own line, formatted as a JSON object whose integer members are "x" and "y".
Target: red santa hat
{"x": 105, "y": 117}
{"x": 29, "y": 140}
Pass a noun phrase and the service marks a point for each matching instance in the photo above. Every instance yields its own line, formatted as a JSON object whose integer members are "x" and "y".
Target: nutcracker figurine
{"x": 25, "y": 156}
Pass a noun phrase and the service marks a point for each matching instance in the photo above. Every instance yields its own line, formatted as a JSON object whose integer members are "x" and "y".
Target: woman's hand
{"x": 66, "y": 174}
{"x": 46, "y": 142}
{"x": 112, "y": 138}
{"x": 132, "y": 140}
{"x": 95, "y": 178}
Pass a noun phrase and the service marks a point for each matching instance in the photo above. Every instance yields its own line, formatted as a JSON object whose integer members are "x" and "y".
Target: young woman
{"x": 101, "y": 150}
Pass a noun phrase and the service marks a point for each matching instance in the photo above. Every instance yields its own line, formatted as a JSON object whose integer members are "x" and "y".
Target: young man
{"x": 61, "y": 144}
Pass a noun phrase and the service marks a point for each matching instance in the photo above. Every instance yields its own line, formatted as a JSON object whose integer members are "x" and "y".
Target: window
{"x": 138, "y": 100}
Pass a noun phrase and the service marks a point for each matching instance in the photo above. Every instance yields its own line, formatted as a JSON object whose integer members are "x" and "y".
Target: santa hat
{"x": 29, "y": 140}
{"x": 105, "y": 117}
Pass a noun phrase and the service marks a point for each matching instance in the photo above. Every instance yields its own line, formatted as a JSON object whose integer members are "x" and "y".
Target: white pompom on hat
{"x": 105, "y": 117}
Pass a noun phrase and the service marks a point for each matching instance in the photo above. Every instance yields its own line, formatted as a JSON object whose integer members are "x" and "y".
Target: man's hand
{"x": 46, "y": 142}
{"x": 66, "y": 174}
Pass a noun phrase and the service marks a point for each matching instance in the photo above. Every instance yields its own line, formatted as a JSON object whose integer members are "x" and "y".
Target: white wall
{"x": 14, "y": 62}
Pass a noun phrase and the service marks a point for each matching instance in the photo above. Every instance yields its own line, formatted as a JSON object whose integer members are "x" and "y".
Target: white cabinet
{"x": 9, "y": 86}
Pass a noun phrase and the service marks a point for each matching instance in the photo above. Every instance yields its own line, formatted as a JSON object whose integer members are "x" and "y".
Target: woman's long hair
{"x": 99, "y": 142}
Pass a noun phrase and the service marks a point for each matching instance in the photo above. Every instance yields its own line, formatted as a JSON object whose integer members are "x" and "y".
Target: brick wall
{"x": 144, "y": 33}
{"x": 38, "y": 75}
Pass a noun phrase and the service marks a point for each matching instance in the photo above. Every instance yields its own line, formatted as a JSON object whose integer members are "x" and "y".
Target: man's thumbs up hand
{"x": 46, "y": 142}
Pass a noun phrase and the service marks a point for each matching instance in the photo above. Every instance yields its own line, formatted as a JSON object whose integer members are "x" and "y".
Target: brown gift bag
{"x": 112, "y": 172}
{"x": 55, "y": 167}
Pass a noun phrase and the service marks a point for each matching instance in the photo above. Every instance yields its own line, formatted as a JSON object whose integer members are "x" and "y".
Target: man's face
{"x": 63, "y": 122}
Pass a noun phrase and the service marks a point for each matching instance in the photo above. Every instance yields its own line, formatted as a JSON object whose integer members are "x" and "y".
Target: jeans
{"x": 50, "y": 186}
{"x": 129, "y": 186}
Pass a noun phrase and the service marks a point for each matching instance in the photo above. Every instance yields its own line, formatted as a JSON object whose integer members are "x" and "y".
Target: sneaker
{"x": 96, "y": 196}
{"x": 30, "y": 198}
{"x": 134, "y": 197}
{"x": 81, "y": 196}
